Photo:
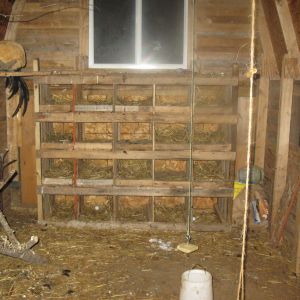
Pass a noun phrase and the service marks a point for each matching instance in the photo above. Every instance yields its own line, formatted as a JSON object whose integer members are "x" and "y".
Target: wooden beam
{"x": 132, "y": 117}
{"x": 275, "y": 31}
{"x": 133, "y": 77}
{"x": 283, "y": 138}
{"x": 92, "y": 154}
{"x": 261, "y": 122}
{"x": 289, "y": 32}
{"x": 242, "y": 134}
{"x": 297, "y": 256}
{"x": 38, "y": 164}
{"x": 270, "y": 68}
{"x": 136, "y": 191}
{"x": 295, "y": 12}
{"x": 16, "y": 14}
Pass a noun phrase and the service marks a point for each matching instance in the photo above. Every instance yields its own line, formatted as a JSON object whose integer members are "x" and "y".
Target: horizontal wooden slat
{"x": 132, "y": 117}
{"x": 92, "y": 154}
{"x": 135, "y": 191}
{"x": 225, "y": 109}
{"x": 105, "y": 77}
{"x": 77, "y": 146}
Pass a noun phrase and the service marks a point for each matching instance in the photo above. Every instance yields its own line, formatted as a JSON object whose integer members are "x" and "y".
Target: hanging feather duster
{"x": 18, "y": 85}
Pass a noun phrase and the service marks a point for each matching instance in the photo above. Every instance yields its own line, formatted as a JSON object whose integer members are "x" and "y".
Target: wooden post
{"x": 283, "y": 138}
{"x": 261, "y": 122}
{"x": 297, "y": 256}
{"x": 38, "y": 143}
{"x": 242, "y": 134}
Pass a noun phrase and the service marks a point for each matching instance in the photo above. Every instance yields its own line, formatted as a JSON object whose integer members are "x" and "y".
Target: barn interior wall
{"x": 53, "y": 34}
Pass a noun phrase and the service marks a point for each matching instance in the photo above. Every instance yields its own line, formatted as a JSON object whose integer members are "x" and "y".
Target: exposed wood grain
{"x": 37, "y": 135}
{"x": 261, "y": 124}
{"x": 286, "y": 97}
{"x": 92, "y": 154}
{"x": 270, "y": 67}
{"x": 136, "y": 191}
{"x": 275, "y": 30}
{"x": 289, "y": 32}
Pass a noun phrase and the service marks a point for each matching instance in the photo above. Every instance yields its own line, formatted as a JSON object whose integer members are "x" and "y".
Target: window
{"x": 141, "y": 34}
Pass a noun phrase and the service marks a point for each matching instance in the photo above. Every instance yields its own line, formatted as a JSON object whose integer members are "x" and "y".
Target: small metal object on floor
{"x": 187, "y": 248}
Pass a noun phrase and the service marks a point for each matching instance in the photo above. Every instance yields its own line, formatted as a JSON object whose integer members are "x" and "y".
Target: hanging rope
{"x": 250, "y": 73}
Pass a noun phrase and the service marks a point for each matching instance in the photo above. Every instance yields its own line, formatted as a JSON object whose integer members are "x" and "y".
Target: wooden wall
{"x": 55, "y": 33}
{"x": 222, "y": 30}
{"x": 51, "y": 33}
{"x": 222, "y": 35}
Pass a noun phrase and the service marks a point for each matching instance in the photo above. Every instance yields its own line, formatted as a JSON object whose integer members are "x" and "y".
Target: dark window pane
{"x": 162, "y": 31}
{"x": 114, "y": 31}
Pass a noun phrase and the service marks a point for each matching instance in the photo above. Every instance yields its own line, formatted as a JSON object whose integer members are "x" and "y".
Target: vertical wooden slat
{"x": 38, "y": 164}
{"x": 297, "y": 256}
{"x": 115, "y": 167}
{"x": 261, "y": 122}
{"x": 283, "y": 138}
{"x": 151, "y": 209}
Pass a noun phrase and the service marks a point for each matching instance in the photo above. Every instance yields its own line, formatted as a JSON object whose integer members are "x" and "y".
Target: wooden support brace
{"x": 283, "y": 137}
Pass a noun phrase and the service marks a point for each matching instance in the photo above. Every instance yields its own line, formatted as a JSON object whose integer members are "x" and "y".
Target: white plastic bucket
{"x": 196, "y": 285}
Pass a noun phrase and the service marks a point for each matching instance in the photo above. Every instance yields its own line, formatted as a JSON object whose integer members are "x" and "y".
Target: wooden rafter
{"x": 288, "y": 28}
{"x": 275, "y": 31}
{"x": 270, "y": 67}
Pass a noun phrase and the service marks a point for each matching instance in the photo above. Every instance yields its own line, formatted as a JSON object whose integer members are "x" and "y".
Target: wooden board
{"x": 92, "y": 154}
{"x": 261, "y": 124}
{"x": 27, "y": 158}
{"x": 136, "y": 191}
{"x": 283, "y": 137}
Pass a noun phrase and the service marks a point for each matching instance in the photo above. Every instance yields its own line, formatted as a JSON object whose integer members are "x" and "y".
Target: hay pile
{"x": 97, "y": 132}
{"x": 136, "y": 133}
{"x": 169, "y": 214}
{"x": 133, "y": 208}
{"x": 135, "y": 100}
{"x": 172, "y": 133}
{"x": 172, "y": 100}
{"x": 61, "y": 207}
{"x": 208, "y": 170}
{"x": 135, "y": 169}
{"x": 209, "y": 134}
{"x": 60, "y": 168}
{"x": 171, "y": 170}
{"x": 95, "y": 169}
{"x": 65, "y": 97}
{"x": 96, "y": 208}
{"x": 98, "y": 99}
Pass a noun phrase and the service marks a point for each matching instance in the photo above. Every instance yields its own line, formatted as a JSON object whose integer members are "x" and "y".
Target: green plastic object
{"x": 256, "y": 175}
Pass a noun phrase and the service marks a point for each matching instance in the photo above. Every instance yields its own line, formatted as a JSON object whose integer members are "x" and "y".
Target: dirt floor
{"x": 93, "y": 264}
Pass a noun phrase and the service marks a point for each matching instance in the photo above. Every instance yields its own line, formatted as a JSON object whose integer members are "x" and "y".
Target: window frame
{"x": 138, "y": 43}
